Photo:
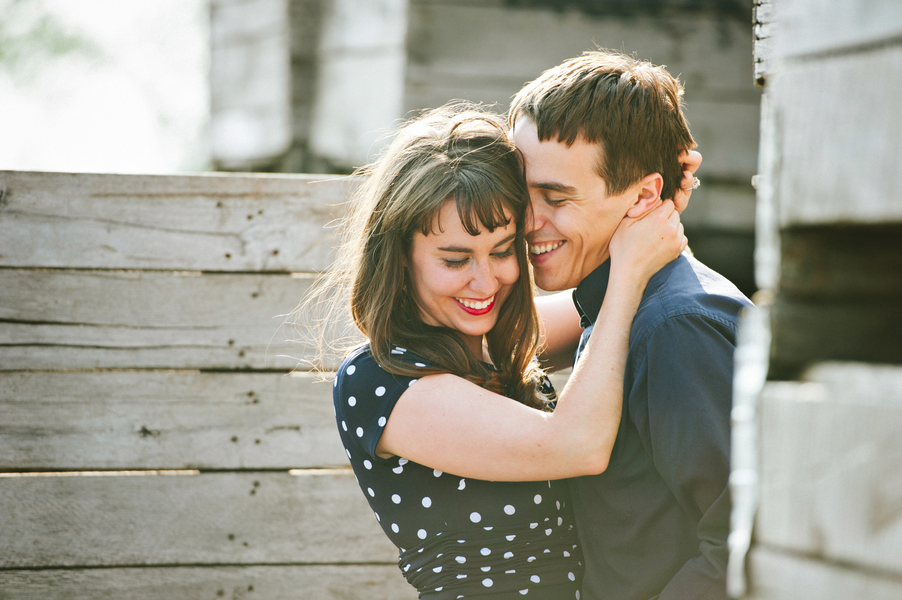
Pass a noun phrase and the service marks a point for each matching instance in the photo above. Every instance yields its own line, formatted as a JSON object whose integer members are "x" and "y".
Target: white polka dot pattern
{"x": 457, "y": 537}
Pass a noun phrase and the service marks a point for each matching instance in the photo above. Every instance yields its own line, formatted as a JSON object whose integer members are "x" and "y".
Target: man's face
{"x": 573, "y": 217}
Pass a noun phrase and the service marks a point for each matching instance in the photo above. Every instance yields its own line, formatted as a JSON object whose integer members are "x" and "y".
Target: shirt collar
{"x": 590, "y": 292}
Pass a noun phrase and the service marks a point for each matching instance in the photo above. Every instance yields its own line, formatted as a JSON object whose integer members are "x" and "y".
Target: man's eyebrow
{"x": 553, "y": 186}
{"x": 463, "y": 250}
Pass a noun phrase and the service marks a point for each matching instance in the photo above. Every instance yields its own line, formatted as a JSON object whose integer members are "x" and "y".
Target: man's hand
{"x": 690, "y": 161}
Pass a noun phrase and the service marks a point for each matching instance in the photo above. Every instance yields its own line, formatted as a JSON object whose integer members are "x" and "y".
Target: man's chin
{"x": 549, "y": 283}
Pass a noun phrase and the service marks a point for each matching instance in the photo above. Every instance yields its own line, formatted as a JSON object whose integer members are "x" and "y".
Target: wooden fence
{"x": 152, "y": 444}
{"x": 829, "y": 481}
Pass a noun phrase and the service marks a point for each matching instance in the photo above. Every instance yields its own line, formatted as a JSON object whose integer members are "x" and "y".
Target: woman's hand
{"x": 641, "y": 246}
{"x": 690, "y": 160}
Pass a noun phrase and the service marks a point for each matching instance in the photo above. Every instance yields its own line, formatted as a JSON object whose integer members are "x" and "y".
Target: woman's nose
{"x": 484, "y": 279}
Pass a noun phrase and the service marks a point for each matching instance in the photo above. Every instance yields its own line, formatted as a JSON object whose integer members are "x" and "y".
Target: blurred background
{"x": 316, "y": 86}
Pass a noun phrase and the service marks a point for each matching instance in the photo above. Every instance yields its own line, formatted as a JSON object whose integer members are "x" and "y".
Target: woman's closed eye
{"x": 455, "y": 262}
{"x": 459, "y": 262}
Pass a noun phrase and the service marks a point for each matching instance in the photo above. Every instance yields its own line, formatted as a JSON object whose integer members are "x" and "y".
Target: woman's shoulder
{"x": 364, "y": 390}
{"x": 361, "y": 358}
{"x": 360, "y": 368}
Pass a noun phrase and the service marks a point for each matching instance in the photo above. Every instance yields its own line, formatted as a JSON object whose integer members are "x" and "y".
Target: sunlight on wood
{"x": 178, "y": 472}
{"x": 314, "y": 472}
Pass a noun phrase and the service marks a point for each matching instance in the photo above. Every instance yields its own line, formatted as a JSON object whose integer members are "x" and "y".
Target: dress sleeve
{"x": 681, "y": 406}
{"x": 364, "y": 395}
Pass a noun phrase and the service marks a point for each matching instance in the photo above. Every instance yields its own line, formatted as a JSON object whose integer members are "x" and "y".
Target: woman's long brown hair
{"x": 461, "y": 153}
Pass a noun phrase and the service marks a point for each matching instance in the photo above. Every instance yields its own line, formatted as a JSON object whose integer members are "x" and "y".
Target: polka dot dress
{"x": 457, "y": 537}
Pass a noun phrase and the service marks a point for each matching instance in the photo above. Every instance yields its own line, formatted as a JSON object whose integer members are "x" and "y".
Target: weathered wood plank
{"x": 778, "y": 575}
{"x": 495, "y": 48}
{"x": 763, "y": 27}
{"x": 842, "y": 262}
{"x": 815, "y": 183}
{"x": 808, "y": 331}
{"x": 830, "y": 454}
{"x": 199, "y": 222}
{"x": 727, "y": 131}
{"x": 213, "y": 518}
{"x": 726, "y": 207}
{"x": 807, "y": 27}
{"x": 135, "y": 420}
{"x": 148, "y": 319}
{"x": 308, "y": 582}
{"x": 494, "y": 64}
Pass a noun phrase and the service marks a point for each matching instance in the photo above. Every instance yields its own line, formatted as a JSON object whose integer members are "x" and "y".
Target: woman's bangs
{"x": 487, "y": 209}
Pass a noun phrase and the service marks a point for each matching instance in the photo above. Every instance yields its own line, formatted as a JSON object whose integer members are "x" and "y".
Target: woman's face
{"x": 462, "y": 280}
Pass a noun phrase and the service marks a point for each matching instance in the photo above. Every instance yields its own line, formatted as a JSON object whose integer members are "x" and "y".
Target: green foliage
{"x": 31, "y": 35}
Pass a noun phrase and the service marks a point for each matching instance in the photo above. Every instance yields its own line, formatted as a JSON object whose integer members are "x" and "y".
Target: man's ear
{"x": 648, "y": 194}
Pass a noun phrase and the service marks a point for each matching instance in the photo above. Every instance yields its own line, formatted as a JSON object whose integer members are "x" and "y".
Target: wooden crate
{"x": 154, "y": 444}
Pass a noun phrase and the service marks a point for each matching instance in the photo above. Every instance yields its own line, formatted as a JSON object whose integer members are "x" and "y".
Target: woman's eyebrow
{"x": 506, "y": 240}
{"x": 463, "y": 250}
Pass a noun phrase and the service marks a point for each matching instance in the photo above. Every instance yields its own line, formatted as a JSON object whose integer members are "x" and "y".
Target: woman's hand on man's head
{"x": 690, "y": 160}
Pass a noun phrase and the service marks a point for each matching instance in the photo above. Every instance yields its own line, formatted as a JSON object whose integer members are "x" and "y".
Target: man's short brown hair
{"x": 630, "y": 108}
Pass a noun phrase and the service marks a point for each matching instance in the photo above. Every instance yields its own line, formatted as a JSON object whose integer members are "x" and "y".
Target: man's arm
{"x": 685, "y": 426}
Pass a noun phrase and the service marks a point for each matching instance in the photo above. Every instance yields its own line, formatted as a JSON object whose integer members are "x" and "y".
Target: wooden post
{"x": 829, "y": 442}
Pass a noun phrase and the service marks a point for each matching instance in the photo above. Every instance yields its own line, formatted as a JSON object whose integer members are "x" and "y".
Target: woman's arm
{"x": 450, "y": 424}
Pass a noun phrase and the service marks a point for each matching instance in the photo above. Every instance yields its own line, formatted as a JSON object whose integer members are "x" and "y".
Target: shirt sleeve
{"x": 364, "y": 396}
{"x": 681, "y": 406}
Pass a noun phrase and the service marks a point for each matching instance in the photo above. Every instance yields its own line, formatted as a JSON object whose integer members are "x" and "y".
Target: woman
{"x": 445, "y": 415}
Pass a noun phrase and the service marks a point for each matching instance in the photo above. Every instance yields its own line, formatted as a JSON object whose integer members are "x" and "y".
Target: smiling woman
{"x": 448, "y": 422}
{"x": 461, "y": 280}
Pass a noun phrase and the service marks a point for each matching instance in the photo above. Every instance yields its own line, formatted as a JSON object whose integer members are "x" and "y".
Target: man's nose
{"x": 535, "y": 217}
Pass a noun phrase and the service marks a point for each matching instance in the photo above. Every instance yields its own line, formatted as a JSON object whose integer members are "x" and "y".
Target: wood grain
{"x": 817, "y": 184}
{"x": 300, "y": 582}
{"x": 807, "y": 28}
{"x": 842, "y": 262}
{"x": 59, "y": 319}
{"x": 809, "y": 331}
{"x": 208, "y": 519}
{"x": 722, "y": 100}
{"x": 830, "y": 454}
{"x": 763, "y": 28}
{"x": 211, "y": 222}
{"x": 127, "y": 420}
{"x": 777, "y": 575}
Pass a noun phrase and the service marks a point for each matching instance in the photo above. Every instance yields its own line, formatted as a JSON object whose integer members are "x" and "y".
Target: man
{"x": 601, "y": 136}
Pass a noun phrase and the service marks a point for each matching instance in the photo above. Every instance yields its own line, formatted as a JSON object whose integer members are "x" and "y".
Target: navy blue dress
{"x": 457, "y": 537}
